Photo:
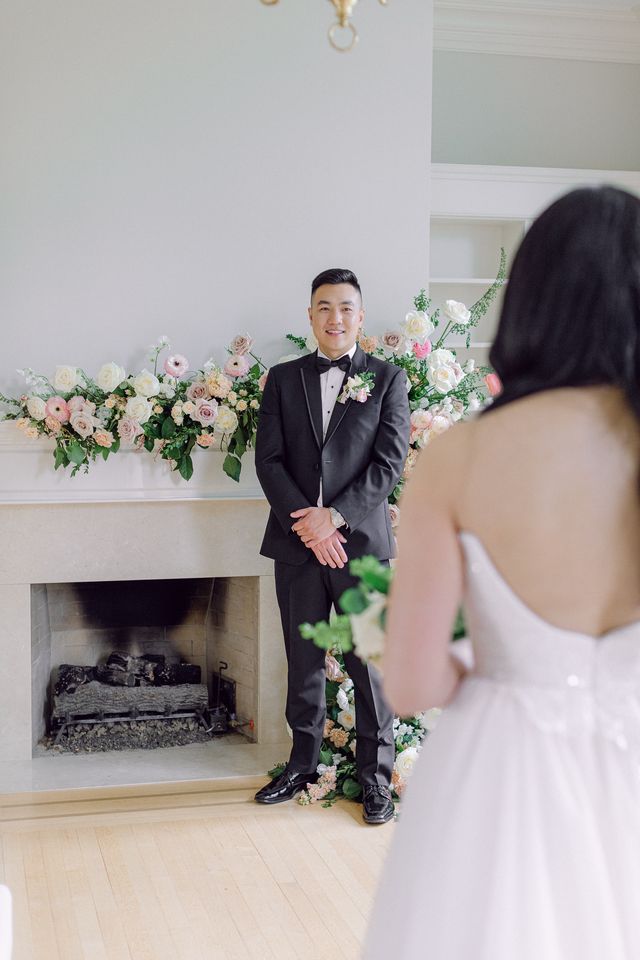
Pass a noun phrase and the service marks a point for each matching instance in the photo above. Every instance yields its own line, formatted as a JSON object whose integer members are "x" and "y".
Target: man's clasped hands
{"x": 317, "y": 532}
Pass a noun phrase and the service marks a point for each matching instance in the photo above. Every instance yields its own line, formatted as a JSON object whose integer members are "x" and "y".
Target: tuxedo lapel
{"x": 358, "y": 365}
{"x": 311, "y": 386}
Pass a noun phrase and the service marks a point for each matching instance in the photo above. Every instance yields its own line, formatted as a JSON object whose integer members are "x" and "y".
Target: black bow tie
{"x": 322, "y": 365}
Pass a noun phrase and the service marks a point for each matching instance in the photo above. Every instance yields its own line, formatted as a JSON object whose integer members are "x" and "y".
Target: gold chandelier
{"x": 344, "y": 9}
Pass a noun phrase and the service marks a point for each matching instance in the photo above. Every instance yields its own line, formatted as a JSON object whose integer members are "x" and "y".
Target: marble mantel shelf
{"x": 27, "y": 476}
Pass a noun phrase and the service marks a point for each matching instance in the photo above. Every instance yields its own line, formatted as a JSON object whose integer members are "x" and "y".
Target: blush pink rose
{"x": 237, "y": 365}
{"x": 76, "y": 404}
{"x": 422, "y": 350}
{"x": 176, "y": 365}
{"x": 494, "y": 384}
{"x": 241, "y": 344}
{"x": 58, "y": 408}
{"x": 205, "y": 413}
{"x": 361, "y": 395}
{"x": 129, "y": 429}
{"x": 262, "y": 382}
{"x": 197, "y": 391}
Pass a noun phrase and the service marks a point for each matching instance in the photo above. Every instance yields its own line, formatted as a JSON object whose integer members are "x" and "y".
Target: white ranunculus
{"x": 367, "y": 632}
{"x": 342, "y": 700}
{"x": 226, "y": 421}
{"x": 405, "y": 762}
{"x": 138, "y": 408}
{"x": 469, "y": 366}
{"x": 347, "y": 718}
{"x": 65, "y": 379}
{"x": 110, "y": 376}
{"x": 146, "y": 384}
{"x": 456, "y": 311}
{"x": 417, "y": 325}
{"x": 37, "y": 408}
{"x": 311, "y": 343}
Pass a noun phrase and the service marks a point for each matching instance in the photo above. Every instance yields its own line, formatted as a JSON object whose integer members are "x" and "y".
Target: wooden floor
{"x": 224, "y": 879}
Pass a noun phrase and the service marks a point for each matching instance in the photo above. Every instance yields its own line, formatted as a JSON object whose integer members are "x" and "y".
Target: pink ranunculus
{"x": 237, "y": 365}
{"x": 58, "y": 408}
{"x": 361, "y": 395}
{"x": 129, "y": 429}
{"x": 176, "y": 365}
{"x": 494, "y": 384}
{"x": 262, "y": 382}
{"x": 197, "y": 391}
{"x": 241, "y": 344}
{"x": 205, "y": 413}
{"x": 422, "y": 350}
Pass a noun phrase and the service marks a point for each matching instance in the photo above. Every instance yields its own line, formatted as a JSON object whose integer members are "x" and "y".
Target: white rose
{"x": 167, "y": 389}
{"x": 417, "y": 325}
{"x": 456, "y": 311}
{"x": 342, "y": 700}
{"x": 146, "y": 384}
{"x": 110, "y": 376}
{"x": 311, "y": 343}
{"x": 368, "y": 635}
{"x": 65, "y": 379}
{"x": 443, "y": 372}
{"x": 347, "y": 719}
{"x": 227, "y": 421}
{"x": 37, "y": 408}
{"x": 405, "y": 762}
{"x": 241, "y": 405}
{"x": 138, "y": 409}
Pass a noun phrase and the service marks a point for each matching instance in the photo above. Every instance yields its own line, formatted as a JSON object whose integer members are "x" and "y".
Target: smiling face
{"x": 336, "y": 316}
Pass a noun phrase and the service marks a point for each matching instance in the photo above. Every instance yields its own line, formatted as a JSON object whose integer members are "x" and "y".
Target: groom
{"x": 326, "y": 468}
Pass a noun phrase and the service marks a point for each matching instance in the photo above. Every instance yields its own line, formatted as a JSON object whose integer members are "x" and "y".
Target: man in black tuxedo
{"x": 327, "y": 468}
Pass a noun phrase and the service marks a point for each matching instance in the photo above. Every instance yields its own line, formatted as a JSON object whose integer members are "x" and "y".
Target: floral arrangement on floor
{"x": 167, "y": 412}
{"x": 172, "y": 411}
{"x": 337, "y": 767}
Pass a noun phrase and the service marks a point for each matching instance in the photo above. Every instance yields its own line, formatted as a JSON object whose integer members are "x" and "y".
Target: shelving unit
{"x": 476, "y": 210}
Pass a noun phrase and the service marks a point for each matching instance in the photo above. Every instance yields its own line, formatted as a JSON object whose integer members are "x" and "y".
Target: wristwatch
{"x": 336, "y": 518}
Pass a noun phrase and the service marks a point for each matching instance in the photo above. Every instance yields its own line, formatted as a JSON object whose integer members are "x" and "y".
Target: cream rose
{"x": 405, "y": 762}
{"x": 347, "y": 718}
{"x": 110, "y": 376}
{"x": 226, "y": 421}
{"x": 146, "y": 384}
{"x": 456, "y": 311}
{"x": 137, "y": 408}
{"x": 368, "y": 635}
{"x": 37, "y": 408}
{"x": 417, "y": 325}
{"x": 241, "y": 406}
{"x": 443, "y": 371}
{"x": 65, "y": 379}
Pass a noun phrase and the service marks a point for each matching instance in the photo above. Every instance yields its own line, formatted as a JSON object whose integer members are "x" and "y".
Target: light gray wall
{"x": 527, "y": 111}
{"x": 185, "y": 167}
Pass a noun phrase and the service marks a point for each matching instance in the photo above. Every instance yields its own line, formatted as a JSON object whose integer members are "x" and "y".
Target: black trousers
{"x": 307, "y": 593}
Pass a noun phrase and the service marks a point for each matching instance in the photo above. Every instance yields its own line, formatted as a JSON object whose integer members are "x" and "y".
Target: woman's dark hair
{"x": 335, "y": 275}
{"x": 571, "y": 312}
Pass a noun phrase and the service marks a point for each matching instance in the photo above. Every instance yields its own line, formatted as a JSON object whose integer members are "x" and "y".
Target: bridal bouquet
{"x": 167, "y": 411}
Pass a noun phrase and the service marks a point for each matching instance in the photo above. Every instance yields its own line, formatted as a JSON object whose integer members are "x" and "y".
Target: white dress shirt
{"x": 330, "y": 383}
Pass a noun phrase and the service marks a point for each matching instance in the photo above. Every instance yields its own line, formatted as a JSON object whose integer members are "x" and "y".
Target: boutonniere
{"x": 358, "y": 388}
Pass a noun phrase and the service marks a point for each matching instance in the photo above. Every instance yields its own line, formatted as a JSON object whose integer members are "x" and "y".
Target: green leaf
{"x": 255, "y": 370}
{"x": 351, "y": 789}
{"x": 277, "y": 770}
{"x": 59, "y": 458}
{"x": 326, "y": 756}
{"x": 168, "y": 428}
{"x": 240, "y": 445}
{"x": 353, "y": 601}
{"x": 148, "y": 445}
{"x": 105, "y": 453}
{"x": 374, "y": 574}
{"x": 115, "y": 446}
{"x": 185, "y": 467}
{"x": 232, "y": 466}
{"x": 76, "y": 454}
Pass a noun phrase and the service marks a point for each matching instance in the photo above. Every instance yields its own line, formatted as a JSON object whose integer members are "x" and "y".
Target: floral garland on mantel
{"x": 170, "y": 411}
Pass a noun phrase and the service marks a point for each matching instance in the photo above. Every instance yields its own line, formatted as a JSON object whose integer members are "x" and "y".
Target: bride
{"x": 519, "y": 837}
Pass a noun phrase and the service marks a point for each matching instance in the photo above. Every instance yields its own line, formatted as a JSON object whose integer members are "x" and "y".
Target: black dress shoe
{"x": 377, "y": 805}
{"x": 285, "y": 786}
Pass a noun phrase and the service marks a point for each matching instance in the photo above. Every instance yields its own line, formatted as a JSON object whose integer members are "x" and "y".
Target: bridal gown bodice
{"x": 519, "y": 834}
{"x": 566, "y": 680}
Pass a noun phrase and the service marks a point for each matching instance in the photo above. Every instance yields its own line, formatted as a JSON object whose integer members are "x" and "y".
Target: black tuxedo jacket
{"x": 360, "y": 461}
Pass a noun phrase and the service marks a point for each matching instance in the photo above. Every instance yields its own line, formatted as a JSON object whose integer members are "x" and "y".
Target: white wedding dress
{"x": 519, "y": 836}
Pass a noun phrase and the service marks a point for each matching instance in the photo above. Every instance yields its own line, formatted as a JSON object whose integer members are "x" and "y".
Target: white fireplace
{"x": 133, "y": 522}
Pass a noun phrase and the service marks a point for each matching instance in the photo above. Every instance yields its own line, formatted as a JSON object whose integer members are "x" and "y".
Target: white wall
{"x": 185, "y": 167}
{"x": 527, "y": 111}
